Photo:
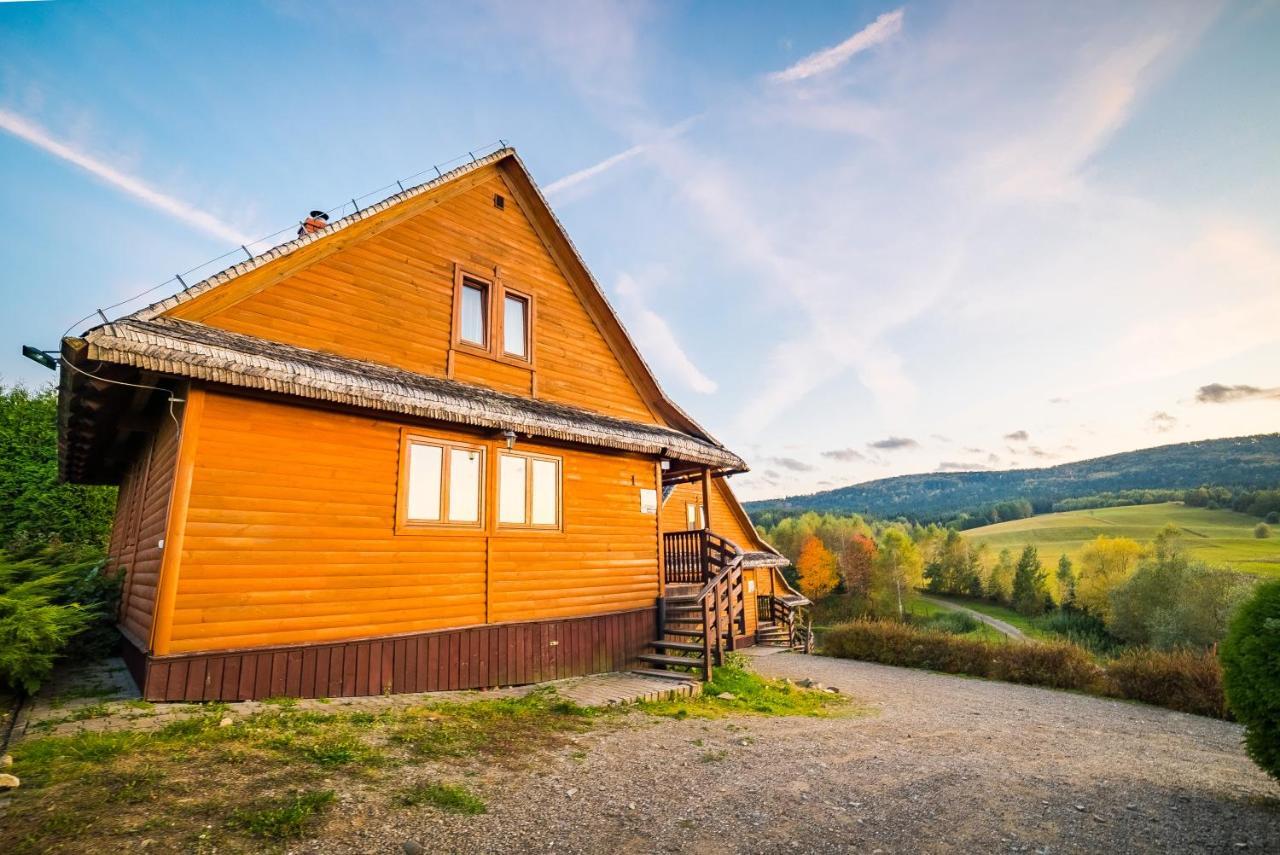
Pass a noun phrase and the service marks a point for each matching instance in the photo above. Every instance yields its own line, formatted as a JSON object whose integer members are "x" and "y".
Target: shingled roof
{"x": 198, "y": 352}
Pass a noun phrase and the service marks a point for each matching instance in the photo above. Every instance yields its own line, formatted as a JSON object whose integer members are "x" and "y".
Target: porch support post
{"x": 706, "y": 498}
{"x": 662, "y": 557}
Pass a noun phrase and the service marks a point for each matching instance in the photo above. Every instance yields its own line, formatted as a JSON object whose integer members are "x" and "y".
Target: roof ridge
{"x": 288, "y": 247}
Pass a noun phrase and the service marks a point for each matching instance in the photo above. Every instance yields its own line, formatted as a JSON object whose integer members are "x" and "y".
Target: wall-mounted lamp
{"x": 510, "y": 437}
{"x": 43, "y": 357}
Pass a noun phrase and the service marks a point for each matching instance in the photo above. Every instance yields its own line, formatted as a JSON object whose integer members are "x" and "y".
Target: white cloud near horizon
{"x": 31, "y": 132}
{"x": 877, "y": 32}
{"x": 656, "y": 339}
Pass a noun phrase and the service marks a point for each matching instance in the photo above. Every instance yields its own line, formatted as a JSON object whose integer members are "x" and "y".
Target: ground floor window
{"x": 529, "y": 490}
{"x": 441, "y": 483}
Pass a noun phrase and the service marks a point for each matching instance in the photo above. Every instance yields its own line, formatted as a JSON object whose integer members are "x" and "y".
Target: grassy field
{"x": 1218, "y": 537}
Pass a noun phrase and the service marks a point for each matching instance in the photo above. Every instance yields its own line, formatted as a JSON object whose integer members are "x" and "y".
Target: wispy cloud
{"x": 582, "y": 176}
{"x": 1017, "y": 436}
{"x": 877, "y": 32}
{"x": 1218, "y": 393}
{"x": 657, "y": 340}
{"x": 29, "y": 131}
{"x": 894, "y": 443}
{"x": 1163, "y": 422}
{"x": 792, "y": 464}
{"x": 844, "y": 455}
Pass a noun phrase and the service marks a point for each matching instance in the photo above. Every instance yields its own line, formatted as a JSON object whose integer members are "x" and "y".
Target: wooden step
{"x": 685, "y": 610}
{"x": 661, "y": 659}
{"x": 668, "y": 675}
{"x": 676, "y": 645}
{"x": 687, "y": 633}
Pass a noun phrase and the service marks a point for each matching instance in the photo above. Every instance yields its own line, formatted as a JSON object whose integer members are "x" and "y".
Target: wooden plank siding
{"x": 142, "y": 509}
{"x": 290, "y": 537}
{"x": 446, "y": 660}
{"x": 722, "y": 518}
{"x": 389, "y": 298}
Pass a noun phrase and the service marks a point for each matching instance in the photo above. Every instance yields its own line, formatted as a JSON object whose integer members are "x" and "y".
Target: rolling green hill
{"x": 1246, "y": 461}
{"x": 1218, "y": 537}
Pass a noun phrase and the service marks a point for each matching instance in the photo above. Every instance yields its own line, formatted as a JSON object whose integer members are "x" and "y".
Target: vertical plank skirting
{"x": 475, "y": 657}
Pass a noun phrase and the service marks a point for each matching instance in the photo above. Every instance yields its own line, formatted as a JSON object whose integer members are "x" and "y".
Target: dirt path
{"x": 995, "y": 623}
{"x": 940, "y": 764}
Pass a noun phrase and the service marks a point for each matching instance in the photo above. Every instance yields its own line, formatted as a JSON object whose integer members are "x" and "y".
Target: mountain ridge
{"x": 1244, "y": 461}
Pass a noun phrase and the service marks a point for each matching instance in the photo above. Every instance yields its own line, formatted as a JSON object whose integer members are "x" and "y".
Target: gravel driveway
{"x": 938, "y": 764}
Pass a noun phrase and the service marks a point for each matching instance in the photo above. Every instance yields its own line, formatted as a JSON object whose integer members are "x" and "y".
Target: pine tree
{"x": 1029, "y": 591}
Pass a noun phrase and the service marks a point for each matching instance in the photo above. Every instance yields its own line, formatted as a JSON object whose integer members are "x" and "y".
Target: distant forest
{"x": 1239, "y": 467}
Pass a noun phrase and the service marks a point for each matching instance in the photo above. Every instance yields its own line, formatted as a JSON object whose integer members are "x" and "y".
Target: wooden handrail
{"x": 719, "y": 599}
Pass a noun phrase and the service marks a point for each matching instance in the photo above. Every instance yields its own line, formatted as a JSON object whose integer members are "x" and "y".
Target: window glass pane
{"x": 424, "y": 482}
{"x": 546, "y": 490}
{"x": 514, "y": 325}
{"x": 464, "y": 485}
{"x": 690, "y": 516}
{"x": 511, "y": 480}
{"x": 473, "y": 313}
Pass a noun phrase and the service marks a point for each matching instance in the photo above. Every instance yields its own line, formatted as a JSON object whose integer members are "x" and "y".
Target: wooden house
{"x": 413, "y": 451}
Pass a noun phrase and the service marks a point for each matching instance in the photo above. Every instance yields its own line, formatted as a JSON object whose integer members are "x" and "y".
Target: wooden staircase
{"x": 771, "y": 634}
{"x": 681, "y": 652}
{"x": 703, "y": 610}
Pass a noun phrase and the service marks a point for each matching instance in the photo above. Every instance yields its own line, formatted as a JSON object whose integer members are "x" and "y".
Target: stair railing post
{"x": 707, "y": 622}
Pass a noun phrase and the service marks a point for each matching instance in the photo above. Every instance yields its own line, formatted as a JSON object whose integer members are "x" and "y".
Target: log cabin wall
{"x": 389, "y": 298}
{"x": 142, "y": 508}
{"x": 290, "y": 537}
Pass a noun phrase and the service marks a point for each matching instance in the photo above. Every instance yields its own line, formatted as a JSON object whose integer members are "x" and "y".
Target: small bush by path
{"x": 747, "y": 693}
{"x": 1184, "y": 680}
{"x": 1179, "y": 680}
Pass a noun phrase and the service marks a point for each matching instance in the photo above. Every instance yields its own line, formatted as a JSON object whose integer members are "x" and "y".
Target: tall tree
{"x": 34, "y": 506}
{"x": 1104, "y": 565}
{"x": 1066, "y": 581}
{"x": 1000, "y": 580}
{"x": 817, "y": 568}
{"x": 1029, "y": 591}
{"x": 899, "y": 568}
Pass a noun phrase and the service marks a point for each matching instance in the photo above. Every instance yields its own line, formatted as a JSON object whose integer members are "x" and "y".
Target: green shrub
{"x": 1188, "y": 681}
{"x": 1055, "y": 664}
{"x": 1262, "y": 531}
{"x": 1080, "y": 628}
{"x": 34, "y": 507}
{"x": 1251, "y": 666}
{"x": 53, "y": 602}
{"x": 1185, "y": 680}
{"x": 1171, "y": 601}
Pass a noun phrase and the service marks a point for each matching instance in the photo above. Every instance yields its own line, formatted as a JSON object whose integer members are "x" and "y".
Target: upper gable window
{"x": 473, "y": 315}
{"x": 515, "y": 325}
{"x": 492, "y": 319}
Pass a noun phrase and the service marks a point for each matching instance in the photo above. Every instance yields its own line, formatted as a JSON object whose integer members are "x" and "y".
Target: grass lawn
{"x": 1217, "y": 537}
{"x": 999, "y": 612}
{"x": 926, "y": 610}
{"x": 254, "y": 783}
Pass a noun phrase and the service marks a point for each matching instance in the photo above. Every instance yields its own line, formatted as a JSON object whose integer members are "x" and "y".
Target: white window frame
{"x": 528, "y": 524}
{"x": 406, "y": 524}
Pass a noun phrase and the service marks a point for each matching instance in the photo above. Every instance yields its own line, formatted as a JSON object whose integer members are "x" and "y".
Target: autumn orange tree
{"x": 816, "y": 567}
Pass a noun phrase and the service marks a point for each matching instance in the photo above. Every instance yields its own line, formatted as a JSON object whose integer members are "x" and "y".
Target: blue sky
{"x": 854, "y": 240}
